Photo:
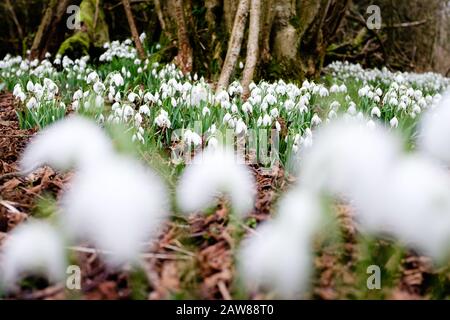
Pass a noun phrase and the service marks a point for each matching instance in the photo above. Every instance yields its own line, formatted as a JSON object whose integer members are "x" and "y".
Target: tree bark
{"x": 10, "y": 8}
{"x": 184, "y": 58}
{"x": 39, "y": 39}
{"x": 133, "y": 29}
{"x": 234, "y": 45}
{"x": 252, "y": 46}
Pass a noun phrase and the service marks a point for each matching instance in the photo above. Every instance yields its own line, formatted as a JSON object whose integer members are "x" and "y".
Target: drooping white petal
{"x": 347, "y": 157}
{"x": 212, "y": 172}
{"x": 435, "y": 132}
{"x": 72, "y": 142}
{"x": 275, "y": 259}
{"x": 32, "y": 248}
{"x": 117, "y": 205}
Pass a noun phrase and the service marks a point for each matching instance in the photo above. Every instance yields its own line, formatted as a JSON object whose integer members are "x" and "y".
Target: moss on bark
{"x": 94, "y": 30}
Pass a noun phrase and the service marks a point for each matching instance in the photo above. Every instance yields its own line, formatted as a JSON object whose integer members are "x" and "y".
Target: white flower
{"x": 92, "y": 77}
{"x": 78, "y": 95}
{"x": 142, "y": 36}
{"x": 275, "y": 259}
{"x": 434, "y": 134}
{"x": 347, "y": 158}
{"x": 73, "y": 141}
{"x": 190, "y": 137}
{"x": 118, "y": 79}
{"x": 162, "y": 120}
{"x": 270, "y": 99}
{"x": 266, "y": 120}
{"x": 375, "y": 112}
{"x": 99, "y": 87}
{"x": 205, "y": 111}
{"x": 30, "y": 86}
{"x": 213, "y": 172}
{"x": 315, "y": 120}
{"x": 32, "y": 248}
{"x": 240, "y": 127}
{"x": 247, "y": 107}
{"x": 415, "y": 206}
{"x": 117, "y": 205}
{"x": 394, "y": 122}
{"x": 274, "y": 113}
{"x": 132, "y": 97}
{"x": 144, "y": 109}
{"x": 32, "y": 103}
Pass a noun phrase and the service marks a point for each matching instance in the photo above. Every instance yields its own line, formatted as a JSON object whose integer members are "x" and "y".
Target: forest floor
{"x": 194, "y": 257}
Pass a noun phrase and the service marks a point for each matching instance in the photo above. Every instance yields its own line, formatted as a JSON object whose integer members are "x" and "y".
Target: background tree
{"x": 289, "y": 39}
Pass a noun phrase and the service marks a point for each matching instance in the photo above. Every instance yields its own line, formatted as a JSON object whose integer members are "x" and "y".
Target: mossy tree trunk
{"x": 93, "y": 32}
{"x": 51, "y": 24}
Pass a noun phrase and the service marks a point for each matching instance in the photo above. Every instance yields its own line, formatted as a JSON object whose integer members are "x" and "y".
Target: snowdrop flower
{"x": 144, "y": 109}
{"x": 73, "y": 141}
{"x": 394, "y": 122}
{"x": 213, "y": 172}
{"x": 371, "y": 124}
{"x": 415, "y": 206}
{"x": 78, "y": 95}
{"x": 205, "y": 111}
{"x": 92, "y": 77}
{"x": 190, "y": 137}
{"x": 32, "y": 103}
{"x": 323, "y": 92}
{"x": 240, "y": 127}
{"x": 142, "y": 36}
{"x": 247, "y": 107}
{"x": 348, "y": 158}
{"x": 315, "y": 120}
{"x": 132, "y": 97}
{"x": 226, "y": 118}
{"x": 274, "y": 113}
{"x": 275, "y": 259}
{"x": 435, "y": 132}
{"x": 334, "y": 88}
{"x": 270, "y": 99}
{"x": 162, "y": 120}
{"x": 266, "y": 120}
{"x": 213, "y": 143}
{"x": 118, "y": 79}
{"x": 32, "y": 248}
{"x": 30, "y": 86}
{"x": 99, "y": 87}
{"x": 375, "y": 112}
{"x": 351, "y": 109}
{"x": 116, "y": 204}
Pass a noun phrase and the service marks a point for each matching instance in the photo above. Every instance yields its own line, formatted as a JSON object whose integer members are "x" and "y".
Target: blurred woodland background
{"x": 289, "y": 39}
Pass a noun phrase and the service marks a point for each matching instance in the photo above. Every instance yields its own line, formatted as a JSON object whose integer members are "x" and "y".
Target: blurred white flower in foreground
{"x": 72, "y": 142}
{"x": 278, "y": 257}
{"x": 435, "y": 132}
{"x": 118, "y": 205}
{"x": 414, "y": 207}
{"x": 32, "y": 248}
{"x": 212, "y": 172}
{"x": 348, "y": 158}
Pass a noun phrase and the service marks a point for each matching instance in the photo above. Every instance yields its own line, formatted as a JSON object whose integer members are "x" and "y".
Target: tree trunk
{"x": 184, "y": 58}
{"x": 92, "y": 35}
{"x": 11, "y": 11}
{"x": 252, "y": 46}
{"x": 39, "y": 39}
{"x": 133, "y": 29}
{"x": 234, "y": 45}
